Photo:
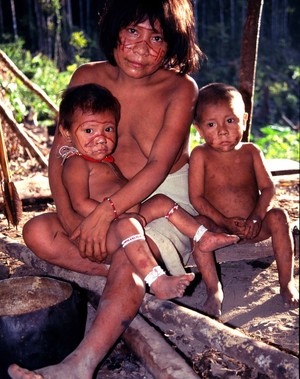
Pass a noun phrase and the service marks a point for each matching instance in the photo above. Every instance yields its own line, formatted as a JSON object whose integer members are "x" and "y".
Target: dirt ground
{"x": 252, "y": 301}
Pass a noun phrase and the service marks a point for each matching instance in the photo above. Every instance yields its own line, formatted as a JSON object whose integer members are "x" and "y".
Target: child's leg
{"x": 128, "y": 233}
{"x": 205, "y": 262}
{"x": 162, "y": 206}
{"x": 276, "y": 225}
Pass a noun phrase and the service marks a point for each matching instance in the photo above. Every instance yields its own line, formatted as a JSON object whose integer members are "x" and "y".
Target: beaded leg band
{"x": 131, "y": 239}
{"x": 199, "y": 233}
{"x": 171, "y": 211}
{"x": 155, "y": 273}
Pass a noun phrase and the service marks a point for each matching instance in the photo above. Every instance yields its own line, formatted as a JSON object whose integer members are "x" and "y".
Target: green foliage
{"x": 80, "y": 44}
{"x": 275, "y": 141}
{"x": 278, "y": 142}
{"x": 41, "y": 71}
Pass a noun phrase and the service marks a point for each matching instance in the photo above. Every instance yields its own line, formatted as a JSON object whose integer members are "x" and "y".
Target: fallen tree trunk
{"x": 191, "y": 326}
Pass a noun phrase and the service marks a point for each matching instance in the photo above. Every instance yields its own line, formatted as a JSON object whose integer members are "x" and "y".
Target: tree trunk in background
{"x": 14, "y": 19}
{"x": 274, "y": 22}
{"x": 39, "y": 27}
{"x": 1, "y": 18}
{"x": 249, "y": 58}
{"x": 222, "y": 27}
{"x": 232, "y": 19}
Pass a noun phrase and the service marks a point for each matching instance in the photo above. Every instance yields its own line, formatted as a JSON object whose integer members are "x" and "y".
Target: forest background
{"x": 49, "y": 39}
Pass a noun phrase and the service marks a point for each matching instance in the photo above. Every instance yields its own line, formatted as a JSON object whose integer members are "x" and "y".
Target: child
{"x": 230, "y": 185}
{"x": 89, "y": 116}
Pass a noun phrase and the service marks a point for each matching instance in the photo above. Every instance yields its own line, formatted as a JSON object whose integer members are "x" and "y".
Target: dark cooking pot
{"x": 42, "y": 320}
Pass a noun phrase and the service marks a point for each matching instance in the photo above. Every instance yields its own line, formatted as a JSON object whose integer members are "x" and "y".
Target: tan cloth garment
{"x": 175, "y": 248}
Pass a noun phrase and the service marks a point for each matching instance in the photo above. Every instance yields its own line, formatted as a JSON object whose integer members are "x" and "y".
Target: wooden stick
{"x": 22, "y": 135}
{"x": 12, "y": 202}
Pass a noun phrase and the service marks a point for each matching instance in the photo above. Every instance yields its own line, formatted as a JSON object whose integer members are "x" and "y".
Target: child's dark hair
{"x": 211, "y": 94}
{"x": 88, "y": 98}
{"x": 176, "y": 18}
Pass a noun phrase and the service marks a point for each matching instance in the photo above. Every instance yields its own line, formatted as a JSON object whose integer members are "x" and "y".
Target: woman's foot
{"x": 67, "y": 369}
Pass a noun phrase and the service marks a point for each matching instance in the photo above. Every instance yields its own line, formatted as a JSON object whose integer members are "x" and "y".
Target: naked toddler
{"x": 230, "y": 185}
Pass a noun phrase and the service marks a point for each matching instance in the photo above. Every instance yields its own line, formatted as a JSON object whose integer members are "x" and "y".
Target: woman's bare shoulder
{"x": 92, "y": 72}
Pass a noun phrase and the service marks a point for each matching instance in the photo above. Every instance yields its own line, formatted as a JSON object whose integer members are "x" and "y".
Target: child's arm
{"x": 68, "y": 218}
{"x": 76, "y": 181}
{"x": 266, "y": 194}
{"x": 196, "y": 193}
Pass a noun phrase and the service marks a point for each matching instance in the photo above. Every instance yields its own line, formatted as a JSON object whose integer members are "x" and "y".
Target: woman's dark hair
{"x": 88, "y": 98}
{"x": 176, "y": 18}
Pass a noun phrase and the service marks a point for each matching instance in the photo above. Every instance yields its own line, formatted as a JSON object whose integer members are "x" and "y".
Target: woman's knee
{"x": 39, "y": 233}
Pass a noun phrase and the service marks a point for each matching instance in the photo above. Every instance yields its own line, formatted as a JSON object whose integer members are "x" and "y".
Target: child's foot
{"x": 213, "y": 303}
{"x": 211, "y": 241}
{"x": 290, "y": 296}
{"x": 168, "y": 287}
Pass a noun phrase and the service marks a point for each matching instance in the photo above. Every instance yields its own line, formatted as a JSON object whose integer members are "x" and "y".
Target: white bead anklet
{"x": 133, "y": 238}
{"x": 155, "y": 273}
{"x": 199, "y": 233}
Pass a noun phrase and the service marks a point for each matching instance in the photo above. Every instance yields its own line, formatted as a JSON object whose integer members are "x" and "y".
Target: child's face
{"x": 93, "y": 134}
{"x": 222, "y": 124}
{"x": 141, "y": 50}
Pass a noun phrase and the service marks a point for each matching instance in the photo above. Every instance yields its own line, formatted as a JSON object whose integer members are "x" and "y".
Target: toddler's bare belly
{"x": 233, "y": 203}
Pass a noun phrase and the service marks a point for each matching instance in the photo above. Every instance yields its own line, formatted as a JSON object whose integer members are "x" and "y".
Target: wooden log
{"x": 159, "y": 358}
{"x": 194, "y": 327}
{"x": 22, "y": 135}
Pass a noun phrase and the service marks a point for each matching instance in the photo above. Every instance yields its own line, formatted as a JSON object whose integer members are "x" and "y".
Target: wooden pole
{"x": 248, "y": 63}
{"x": 12, "y": 202}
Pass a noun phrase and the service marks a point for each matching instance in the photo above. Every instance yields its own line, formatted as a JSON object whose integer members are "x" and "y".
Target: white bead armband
{"x": 155, "y": 273}
{"x": 199, "y": 233}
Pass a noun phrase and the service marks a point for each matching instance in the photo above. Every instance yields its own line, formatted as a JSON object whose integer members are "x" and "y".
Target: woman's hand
{"x": 90, "y": 235}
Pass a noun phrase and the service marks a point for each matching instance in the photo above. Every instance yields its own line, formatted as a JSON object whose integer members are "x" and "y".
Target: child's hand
{"x": 236, "y": 225}
{"x": 253, "y": 226}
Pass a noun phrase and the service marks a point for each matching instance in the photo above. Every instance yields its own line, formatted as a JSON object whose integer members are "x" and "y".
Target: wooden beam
{"x": 197, "y": 328}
